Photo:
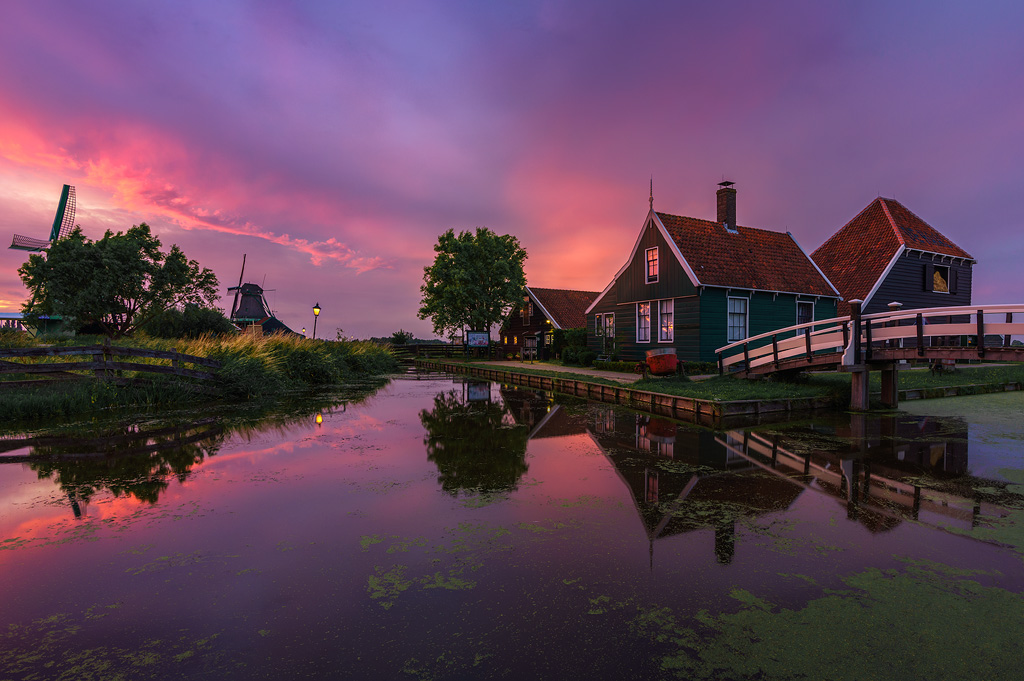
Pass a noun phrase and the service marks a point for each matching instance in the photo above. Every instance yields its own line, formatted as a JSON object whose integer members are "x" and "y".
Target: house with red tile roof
{"x": 888, "y": 254}
{"x": 694, "y": 285}
{"x": 531, "y": 327}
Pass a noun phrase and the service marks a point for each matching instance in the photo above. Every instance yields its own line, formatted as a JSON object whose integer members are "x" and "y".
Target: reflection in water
{"x": 682, "y": 479}
{"x": 140, "y": 460}
{"x": 477, "y": 437}
{"x": 883, "y": 469}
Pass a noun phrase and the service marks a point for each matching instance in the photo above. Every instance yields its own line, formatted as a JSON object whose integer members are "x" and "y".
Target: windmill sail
{"x": 63, "y": 223}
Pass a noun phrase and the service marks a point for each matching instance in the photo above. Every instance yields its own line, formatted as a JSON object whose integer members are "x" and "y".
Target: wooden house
{"x": 695, "y": 285}
{"x": 530, "y": 328}
{"x": 887, "y": 254}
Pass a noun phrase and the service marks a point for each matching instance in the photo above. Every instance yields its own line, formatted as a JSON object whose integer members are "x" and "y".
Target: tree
{"x": 401, "y": 337}
{"x": 117, "y": 283}
{"x": 474, "y": 282}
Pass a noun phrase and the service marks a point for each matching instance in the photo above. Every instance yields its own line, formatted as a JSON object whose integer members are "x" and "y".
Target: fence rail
{"x": 99, "y": 363}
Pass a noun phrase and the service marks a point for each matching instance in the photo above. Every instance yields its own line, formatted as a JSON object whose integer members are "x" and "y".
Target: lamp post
{"x": 316, "y": 313}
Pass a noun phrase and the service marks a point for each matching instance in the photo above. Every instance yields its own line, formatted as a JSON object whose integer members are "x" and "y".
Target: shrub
{"x": 191, "y": 321}
{"x": 625, "y": 367}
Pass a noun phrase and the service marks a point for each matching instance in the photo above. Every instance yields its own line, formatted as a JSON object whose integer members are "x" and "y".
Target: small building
{"x": 530, "y": 328}
{"x": 888, "y": 254}
{"x": 694, "y": 285}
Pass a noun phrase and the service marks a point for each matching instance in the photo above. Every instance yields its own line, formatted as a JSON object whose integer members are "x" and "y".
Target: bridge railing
{"x": 979, "y": 327}
{"x": 800, "y": 340}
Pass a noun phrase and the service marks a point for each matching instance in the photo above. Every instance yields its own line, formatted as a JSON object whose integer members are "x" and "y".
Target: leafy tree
{"x": 401, "y": 337}
{"x": 474, "y": 281}
{"x": 191, "y": 321}
{"x": 117, "y": 283}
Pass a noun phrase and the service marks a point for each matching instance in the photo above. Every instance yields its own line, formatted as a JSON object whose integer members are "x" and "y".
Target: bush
{"x": 587, "y": 357}
{"x": 625, "y": 367}
{"x": 700, "y": 368}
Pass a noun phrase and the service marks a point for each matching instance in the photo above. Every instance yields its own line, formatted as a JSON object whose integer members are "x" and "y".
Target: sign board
{"x": 478, "y": 339}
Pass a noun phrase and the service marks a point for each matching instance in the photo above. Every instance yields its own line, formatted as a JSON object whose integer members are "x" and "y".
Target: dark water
{"x": 452, "y": 529}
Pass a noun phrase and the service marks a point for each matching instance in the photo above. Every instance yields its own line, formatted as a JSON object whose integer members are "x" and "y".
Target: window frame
{"x": 639, "y": 327}
{"x": 804, "y": 302}
{"x": 728, "y": 321}
{"x": 671, "y": 304}
{"x": 935, "y": 270}
{"x": 648, "y": 277}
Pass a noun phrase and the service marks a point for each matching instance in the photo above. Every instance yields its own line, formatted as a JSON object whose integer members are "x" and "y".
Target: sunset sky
{"x": 333, "y": 142}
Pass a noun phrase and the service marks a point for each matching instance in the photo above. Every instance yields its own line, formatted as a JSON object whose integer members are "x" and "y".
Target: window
{"x": 652, "y": 265}
{"x": 940, "y": 279}
{"x": 504, "y": 339}
{"x": 804, "y": 312}
{"x": 666, "y": 321}
{"x": 527, "y": 311}
{"x": 598, "y": 325}
{"x": 609, "y": 326}
{"x": 643, "y": 322}
{"x": 737, "y": 319}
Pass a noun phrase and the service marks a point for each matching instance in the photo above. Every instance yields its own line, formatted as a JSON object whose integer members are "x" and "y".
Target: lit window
{"x": 609, "y": 326}
{"x": 643, "y": 322}
{"x": 737, "y": 319}
{"x": 598, "y": 326}
{"x": 652, "y": 265}
{"x": 504, "y": 339}
{"x": 665, "y": 321}
{"x": 940, "y": 279}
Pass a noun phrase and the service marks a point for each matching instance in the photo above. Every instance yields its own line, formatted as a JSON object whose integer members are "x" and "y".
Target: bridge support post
{"x": 890, "y": 386}
{"x": 859, "y": 389}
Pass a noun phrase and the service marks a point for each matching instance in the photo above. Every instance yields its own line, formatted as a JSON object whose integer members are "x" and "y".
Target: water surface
{"x": 453, "y": 529}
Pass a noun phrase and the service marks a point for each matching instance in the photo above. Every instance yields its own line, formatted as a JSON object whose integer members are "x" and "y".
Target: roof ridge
{"x": 892, "y": 223}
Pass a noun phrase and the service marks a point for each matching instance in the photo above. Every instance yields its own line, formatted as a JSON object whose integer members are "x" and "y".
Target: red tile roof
{"x": 856, "y": 256}
{"x": 567, "y": 308}
{"x": 756, "y": 259}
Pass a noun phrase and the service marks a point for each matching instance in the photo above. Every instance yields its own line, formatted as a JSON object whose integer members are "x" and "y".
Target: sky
{"x": 333, "y": 142}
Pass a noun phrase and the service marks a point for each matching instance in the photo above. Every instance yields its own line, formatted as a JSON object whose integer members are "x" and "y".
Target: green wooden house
{"x": 695, "y": 285}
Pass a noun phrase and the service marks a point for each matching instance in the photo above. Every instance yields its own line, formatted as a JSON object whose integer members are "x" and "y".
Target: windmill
{"x": 63, "y": 223}
{"x": 250, "y": 308}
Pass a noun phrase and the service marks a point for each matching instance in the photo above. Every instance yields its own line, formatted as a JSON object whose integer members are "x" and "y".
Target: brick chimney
{"x": 727, "y": 205}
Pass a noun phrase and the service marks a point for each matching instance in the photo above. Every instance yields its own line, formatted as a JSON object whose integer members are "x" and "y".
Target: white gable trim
{"x": 674, "y": 248}
{"x": 885, "y": 273}
{"x": 652, "y": 217}
{"x": 542, "y": 308}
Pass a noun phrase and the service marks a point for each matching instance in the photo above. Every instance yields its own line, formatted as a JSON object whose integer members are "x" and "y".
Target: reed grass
{"x": 252, "y": 367}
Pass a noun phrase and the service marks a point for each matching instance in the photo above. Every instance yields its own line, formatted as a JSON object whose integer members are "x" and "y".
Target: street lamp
{"x": 316, "y": 313}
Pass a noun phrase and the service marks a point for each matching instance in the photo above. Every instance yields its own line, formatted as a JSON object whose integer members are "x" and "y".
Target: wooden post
{"x": 807, "y": 342}
{"x": 775, "y": 349}
{"x": 981, "y": 333}
{"x": 867, "y": 340}
{"x": 859, "y": 390}
{"x": 920, "y": 335}
{"x": 721, "y": 366}
{"x": 1009, "y": 320}
{"x": 890, "y": 386}
{"x": 855, "y": 319}
{"x": 746, "y": 356}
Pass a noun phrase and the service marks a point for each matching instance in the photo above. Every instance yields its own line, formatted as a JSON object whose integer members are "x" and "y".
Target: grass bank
{"x": 252, "y": 368}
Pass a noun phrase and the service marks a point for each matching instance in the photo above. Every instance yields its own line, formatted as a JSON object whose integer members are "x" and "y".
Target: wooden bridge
{"x": 883, "y": 341}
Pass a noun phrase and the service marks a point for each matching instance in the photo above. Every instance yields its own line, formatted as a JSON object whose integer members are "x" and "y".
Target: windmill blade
{"x": 63, "y": 223}
{"x": 64, "y": 220}
{"x": 234, "y": 305}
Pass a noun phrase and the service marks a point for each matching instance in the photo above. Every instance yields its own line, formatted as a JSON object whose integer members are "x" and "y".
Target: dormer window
{"x": 652, "y": 265}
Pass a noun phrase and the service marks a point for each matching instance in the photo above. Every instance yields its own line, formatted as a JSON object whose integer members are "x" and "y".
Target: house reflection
{"x": 682, "y": 479}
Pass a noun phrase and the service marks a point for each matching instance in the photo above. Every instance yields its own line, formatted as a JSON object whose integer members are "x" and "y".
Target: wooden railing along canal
{"x": 103, "y": 362}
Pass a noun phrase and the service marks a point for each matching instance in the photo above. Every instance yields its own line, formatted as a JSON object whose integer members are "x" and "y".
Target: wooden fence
{"x": 98, "y": 361}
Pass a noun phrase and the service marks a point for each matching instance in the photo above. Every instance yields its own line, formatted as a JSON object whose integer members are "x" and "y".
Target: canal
{"x": 446, "y": 528}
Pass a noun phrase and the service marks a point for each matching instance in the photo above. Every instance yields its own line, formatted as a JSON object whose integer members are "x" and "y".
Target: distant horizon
{"x": 333, "y": 143}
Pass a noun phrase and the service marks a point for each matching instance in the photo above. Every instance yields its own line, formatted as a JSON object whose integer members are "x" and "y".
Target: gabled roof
{"x": 745, "y": 257}
{"x": 860, "y": 253}
{"x": 565, "y": 308}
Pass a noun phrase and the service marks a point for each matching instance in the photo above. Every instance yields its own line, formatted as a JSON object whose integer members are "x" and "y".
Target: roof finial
{"x": 651, "y": 199}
